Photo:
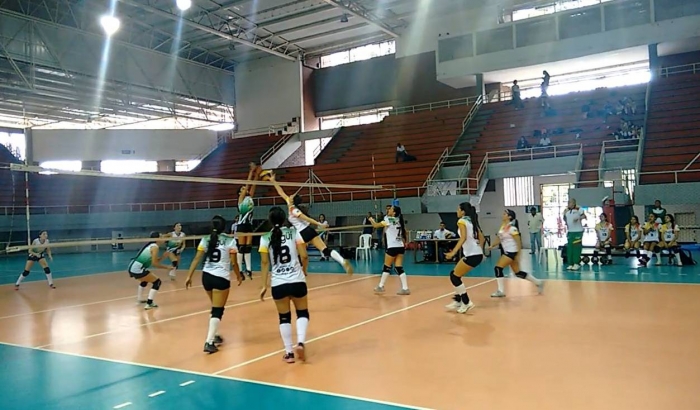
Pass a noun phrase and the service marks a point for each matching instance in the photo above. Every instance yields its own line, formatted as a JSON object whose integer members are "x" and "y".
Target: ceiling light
{"x": 183, "y": 4}
{"x": 110, "y": 24}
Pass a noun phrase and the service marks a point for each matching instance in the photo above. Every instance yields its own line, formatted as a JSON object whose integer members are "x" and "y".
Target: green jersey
{"x": 245, "y": 210}
{"x": 143, "y": 259}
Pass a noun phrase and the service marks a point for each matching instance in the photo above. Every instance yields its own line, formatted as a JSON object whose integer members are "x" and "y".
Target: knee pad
{"x": 399, "y": 270}
{"x": 386, "y": 269}
{"x": 627, "y": 253}
{"x": 657, "y": 249}
{"x": 47, "y": 270}
{"x": 217, "y": 312}
{"x": 175, "y": 264}
{"x": 595, "y": 253}
{"x": 456, "y": 280}
{"x": 285, "y": 318}
{"x": 143, "y": 284}
{"x": 302, "y": 313}
{"x": 156, "y": 284}
{"x": 499, "y": 272}
{"x": 521, "y": 274}
{"x": 25, "y": 273}
{"x": 326, "y": 252}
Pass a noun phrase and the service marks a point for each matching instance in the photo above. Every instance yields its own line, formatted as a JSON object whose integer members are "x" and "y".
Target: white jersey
{"x": 295, "y": 218}
{"x": 392, "y": 230}
{"x": 670, "y": 233}
{"x": 174, "y": 240}
{"x": 603, "y": 231}
{"x": 508, "y": 235}
{"x": 471, "y": 245}
{"x": 574, "y": 219}
{"x": 38, "y": 246}
{"x": 287, "y": 269}
{"x": 653, "y": 234}
{"x": 634, "y": 232}
{"x": 220, "y": 262}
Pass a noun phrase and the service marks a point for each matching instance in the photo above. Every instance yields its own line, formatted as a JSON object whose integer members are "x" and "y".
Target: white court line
{"x": 345, "y": 329}
{"x": 89, "y": 304}
{"x": 257, "y": 300}
{"x": 216, "y": 376}
{"x": 156, "y": 394}
{"x": 119, "y": 406}
{"x": 187, "y": 383}
{"x": 69, "y": 277}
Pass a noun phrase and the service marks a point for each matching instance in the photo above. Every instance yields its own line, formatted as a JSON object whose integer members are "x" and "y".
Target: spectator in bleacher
{"x": 523, "y": 144}
{"x": 402, "y": 154}
{"x": 534, "y": 224}
{"x": 515, "y": 92}
{"x": 545, "y": 83}
{"x": 545, "y": 141}
{"x": 658, "y": 211}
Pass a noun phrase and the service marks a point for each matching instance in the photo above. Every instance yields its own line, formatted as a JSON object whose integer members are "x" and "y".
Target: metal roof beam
{"x": 363, "y": 13}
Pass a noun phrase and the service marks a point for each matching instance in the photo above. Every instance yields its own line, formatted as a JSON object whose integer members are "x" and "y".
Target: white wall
{"x": 95, "y": 145}
{"x": 268, "y": 91}
{"x": 493, "y": 204}
{"x": 663, "y": 31}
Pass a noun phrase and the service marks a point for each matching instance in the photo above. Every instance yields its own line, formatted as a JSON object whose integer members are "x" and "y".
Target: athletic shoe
{"x": 498, "y": 294}
{"x": 52, "y": 286}
{"x": 210, "y": 348}
{"x": 299, "y": 352}
{"x": 464, "y": 308}
{"x": 218, "y": 340}
{"x": 404, "y": 292}
{"x": 379, "y": 290}
{"x": 150, "y": 306}
{"x": 288, "y": 357}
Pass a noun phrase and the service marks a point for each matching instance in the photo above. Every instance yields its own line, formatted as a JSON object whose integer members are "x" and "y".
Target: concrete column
{"x": 166, "y": 166}
{"x": 654, "y": 63}
{"x": 29, "y": 146}
{"x": 480, "y": 86}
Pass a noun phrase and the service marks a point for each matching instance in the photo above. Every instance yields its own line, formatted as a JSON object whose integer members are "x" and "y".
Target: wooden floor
{"x": 584, "y": 344}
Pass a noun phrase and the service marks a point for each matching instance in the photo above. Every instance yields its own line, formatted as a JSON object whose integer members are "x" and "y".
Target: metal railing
{"x": 411, "y": 109}
{"x": 436, "y": 167}
{"x": 554, "y": 151}
{"x": 611, "y": 146}
{"x": 276, "y": 146}
{"x": 665, "y": 72}
{"x": 472, "y": 113}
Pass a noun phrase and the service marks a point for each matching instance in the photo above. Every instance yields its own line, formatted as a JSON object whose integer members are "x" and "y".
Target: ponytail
{"x": 474, "y": 217}
{"x": 402, "y": 224}
{"x": 218, "y": 225}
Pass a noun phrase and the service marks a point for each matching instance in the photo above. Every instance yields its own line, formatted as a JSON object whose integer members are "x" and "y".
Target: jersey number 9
{"x": 215, "y": 256}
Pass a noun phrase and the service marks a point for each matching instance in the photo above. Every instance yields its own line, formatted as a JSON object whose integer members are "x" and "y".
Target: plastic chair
{"x": 365, "y": 247}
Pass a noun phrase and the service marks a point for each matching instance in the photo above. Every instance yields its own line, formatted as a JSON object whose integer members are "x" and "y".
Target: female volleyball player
{"x": 280, "y": 252}
{"x": 669, "y": 237}
{"x": 323, "y": 231}
{"x": 604, "y": 230}
{"x": 174, "y": 248}
{"x": 471, "y": 241}
{"x": 573, "y": 217}
{"x": 38, "y": 253}
{"x": 396, "y": 238}
{"x": 651, "y": 240}
{"x": 245, "y": 221}
{"x": 509, "y": 239}
{"x": 633, "y": 232}
{"x": 302, "y": 223}
{"x": 216, "y": 250}
{"x": 138, "y": 269}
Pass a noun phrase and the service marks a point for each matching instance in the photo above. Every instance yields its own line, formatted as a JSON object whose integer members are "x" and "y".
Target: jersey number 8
{"x": 285, "y": 256}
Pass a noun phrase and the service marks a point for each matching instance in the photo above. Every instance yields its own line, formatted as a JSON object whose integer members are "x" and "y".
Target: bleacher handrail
{"x": 436, "y": 167}
{"x": 665, "y": 72}
{"x": 535, "y": 152}
{"x": 412, "y": 109}
{"x": 472, "y": 113}
{"x": 642, "y": 134}
{"x": 275, "y": 147}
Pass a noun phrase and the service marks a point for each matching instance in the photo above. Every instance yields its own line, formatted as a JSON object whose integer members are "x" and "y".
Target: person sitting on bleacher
{"x": 604, "y": 230}
{"x": 402, "y": 154}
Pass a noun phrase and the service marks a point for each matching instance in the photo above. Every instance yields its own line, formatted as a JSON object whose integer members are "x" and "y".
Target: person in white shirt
{"x": 573, "y": 218}
{"x": 284, "y": 260}
{"x": 38, "y": 253}
{"x": 471, "y": 241}
{"x": 509, "y": 239}
{"x": 396, "y": 238}
{"x": 651, "y": 240}
{"x": 669, "y": 239}
{"x": 604, "y": 231}
{"x": 443, "y": 233}
{"x": 534, "y": 225}
{"x": 218, "y": 251}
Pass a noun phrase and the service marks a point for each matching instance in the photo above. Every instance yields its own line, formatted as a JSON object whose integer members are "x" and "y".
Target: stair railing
{"x": 275, "y": 147}
{"x": 642, "y": 135}
{"x": 436, "y": 167}
{"x": 473, "y": 110}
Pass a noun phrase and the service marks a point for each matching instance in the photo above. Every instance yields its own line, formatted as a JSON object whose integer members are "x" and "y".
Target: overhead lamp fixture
{"x": 183, "y": 4}
{"x": 344, "y": 18}
{"x": 110, "y": 24}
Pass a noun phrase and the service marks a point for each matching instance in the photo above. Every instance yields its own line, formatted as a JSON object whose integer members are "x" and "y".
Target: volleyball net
{"x": 87, "y": 211}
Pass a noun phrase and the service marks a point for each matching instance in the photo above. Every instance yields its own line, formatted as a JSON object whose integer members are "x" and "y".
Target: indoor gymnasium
{"x": 349, "y": 204}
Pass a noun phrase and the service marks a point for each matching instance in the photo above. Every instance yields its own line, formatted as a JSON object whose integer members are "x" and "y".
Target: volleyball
{"x": 265, "y": 175}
